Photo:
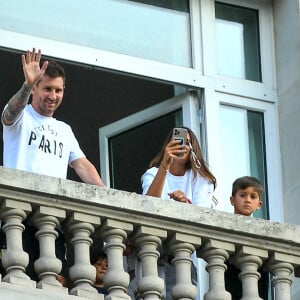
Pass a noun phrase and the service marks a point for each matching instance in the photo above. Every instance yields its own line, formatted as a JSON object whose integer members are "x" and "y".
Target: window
{"x": 237, "y": 38}
{"x": 243, "y": 145}
{"x": 140, "y": 136}
{"x": 140, "y": 144}
{"x": 126, "y": 27}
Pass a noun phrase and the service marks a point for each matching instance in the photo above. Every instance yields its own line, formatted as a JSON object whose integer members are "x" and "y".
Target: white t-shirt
{"x": 199, "y": 190}
{"x": 39, "y": 144}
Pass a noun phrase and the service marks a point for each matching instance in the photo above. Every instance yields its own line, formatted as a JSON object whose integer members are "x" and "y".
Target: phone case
{"x": 180, "y": 134}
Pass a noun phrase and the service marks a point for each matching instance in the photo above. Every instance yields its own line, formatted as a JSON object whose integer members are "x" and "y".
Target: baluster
{"x": 82, "y": 273}
{"x": 116, "y": 280}
{"x": 281, "y": 267}
{"x": 147, "y": 240}
{"x": 248, "y": 260}
{"x": 282, "y": 280}
{"x": 182, "y": 247}
{"x": 15, "y": 259}
{"x": 215, "y": 253}
{"x": 47, "y": 267}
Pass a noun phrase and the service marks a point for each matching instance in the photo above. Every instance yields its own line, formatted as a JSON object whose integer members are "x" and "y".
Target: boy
{"x": 246, "y": 195}
{"x": 99, "y": 261}
{"x": 246, "y": 198}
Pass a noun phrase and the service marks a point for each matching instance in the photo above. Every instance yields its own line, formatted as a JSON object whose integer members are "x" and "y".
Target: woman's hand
{"x": 179, "y": 196}
{"x": 172, "y": 150}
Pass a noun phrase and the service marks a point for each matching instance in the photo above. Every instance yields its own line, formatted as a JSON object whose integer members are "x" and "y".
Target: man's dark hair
{"x": 247, "y": 181}
{"x": 55, "y": 70}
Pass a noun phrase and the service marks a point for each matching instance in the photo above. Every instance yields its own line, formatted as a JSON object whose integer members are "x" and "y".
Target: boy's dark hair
{"x": 245, "y": 182}
{"x": 96, "y": 252}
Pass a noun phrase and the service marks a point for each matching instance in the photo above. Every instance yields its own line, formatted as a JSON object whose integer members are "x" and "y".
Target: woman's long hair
{"x": 203, "y": 170}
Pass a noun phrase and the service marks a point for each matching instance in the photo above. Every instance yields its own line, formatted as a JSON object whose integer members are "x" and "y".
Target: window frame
{"x": 230, "y": 84}
{"x": 258, "y": 95}
{"x": 188, "y": 102}
{"x": 213, "y": 102}
{"x": 201, "y": 75}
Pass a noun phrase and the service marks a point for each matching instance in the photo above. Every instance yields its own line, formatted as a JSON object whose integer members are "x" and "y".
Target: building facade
{"x": 227, "y": 69}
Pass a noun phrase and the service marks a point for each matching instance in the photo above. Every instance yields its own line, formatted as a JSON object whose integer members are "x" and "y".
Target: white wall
{"x": 287, "y": 38}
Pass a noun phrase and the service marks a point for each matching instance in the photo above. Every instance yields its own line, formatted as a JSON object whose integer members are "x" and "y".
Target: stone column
{"x": 248, "y": 260}
{"x": 15, "y": 260}
{"x": 82, "y": 273}
{"x": 215, "y": 253}
{"x": 147, "y": 240}
{"x": 116, "y": 280}
{"x": 181, "y": 247}
{"x": 281, "y": 266}
{"x": 47, "y": 267}
{"x": 281, "y": 280}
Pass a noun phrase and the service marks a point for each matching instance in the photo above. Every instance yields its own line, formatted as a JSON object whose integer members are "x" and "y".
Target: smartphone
{"x": 180, "y": 134}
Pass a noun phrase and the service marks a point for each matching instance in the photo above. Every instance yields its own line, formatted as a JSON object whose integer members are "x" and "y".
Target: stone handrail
{"x": 152, "y": 225}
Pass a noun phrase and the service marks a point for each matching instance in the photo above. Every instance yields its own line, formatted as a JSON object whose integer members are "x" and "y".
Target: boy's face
{"x": 246, "y": 201}
{"x": 101, "y": 266}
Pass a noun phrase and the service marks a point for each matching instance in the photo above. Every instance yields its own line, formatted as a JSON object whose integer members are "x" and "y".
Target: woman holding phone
{"x": 179, "y": 171}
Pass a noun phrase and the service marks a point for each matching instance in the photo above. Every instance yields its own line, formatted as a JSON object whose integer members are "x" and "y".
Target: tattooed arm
{"x": 33, "y": 73}
{"x": 15, "y": 105}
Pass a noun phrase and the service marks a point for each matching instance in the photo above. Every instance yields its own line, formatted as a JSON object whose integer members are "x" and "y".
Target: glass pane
{"x": 257, "y": 155}
{"x": 171, "y": 4}
{"x": 120, "y": 26}
{"x": 235, "y": 155}
{"x": 131, "y": 151}
{"x": 243, "y": 151}
{"x": 237, "y": 37}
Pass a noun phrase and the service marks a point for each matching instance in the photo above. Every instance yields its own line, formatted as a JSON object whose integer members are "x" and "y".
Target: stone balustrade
{"x": 153, "y": 226}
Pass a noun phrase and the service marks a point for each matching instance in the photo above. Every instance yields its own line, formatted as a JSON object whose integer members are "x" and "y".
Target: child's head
{"x": 99, "y": 261}
{"x": 246, "y": 196}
